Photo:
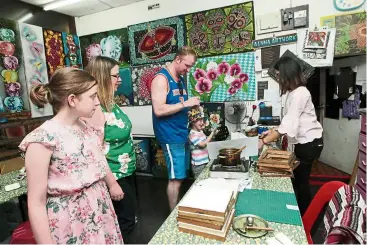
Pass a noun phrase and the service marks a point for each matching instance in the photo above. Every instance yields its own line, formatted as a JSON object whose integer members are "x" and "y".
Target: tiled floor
{"x": 153, "y": 209}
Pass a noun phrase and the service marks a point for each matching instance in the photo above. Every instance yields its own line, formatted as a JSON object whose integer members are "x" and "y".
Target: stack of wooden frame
{"x": 277, "y": 163}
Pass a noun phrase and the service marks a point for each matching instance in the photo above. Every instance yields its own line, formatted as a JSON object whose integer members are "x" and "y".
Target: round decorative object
{"x": 12, "y": 89}
{"x": 11, "y": 62}
{"x": 7, "y": 48}
{"x": 9, "y": 76}
{"x": 241, "y": 222}
{"x": 14, "y": 104}
{"x": 7, "y": 35}
{"x": 111, "y": 47}
{"x": 157, "y": 43}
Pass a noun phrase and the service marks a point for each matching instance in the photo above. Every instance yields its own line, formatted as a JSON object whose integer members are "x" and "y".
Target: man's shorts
{"x": 177, "y": 158}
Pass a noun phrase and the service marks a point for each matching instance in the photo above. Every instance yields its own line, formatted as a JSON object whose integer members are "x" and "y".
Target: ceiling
{"x": 84, "y": 7}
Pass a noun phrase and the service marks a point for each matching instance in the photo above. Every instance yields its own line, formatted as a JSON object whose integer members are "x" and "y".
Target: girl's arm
{"x": 204, "y": 143}
{"x": 98, "y": 120}
{"x": 37, "y": 162}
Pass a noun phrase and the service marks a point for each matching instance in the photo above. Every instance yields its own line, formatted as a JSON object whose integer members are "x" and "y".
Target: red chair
{"x": 322, "y": 197}
{"x": 23, "y": 234}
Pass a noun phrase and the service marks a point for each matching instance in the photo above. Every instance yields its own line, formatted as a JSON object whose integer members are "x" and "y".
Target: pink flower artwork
{"x": 93, "y": 50}
{"x": 212, "y": 74}
{"x": 199, "y": 73}
{"x": 232, "y": 90}
{"x": 235, "y": 70}
{"x": 204, "y": 85}
{"x": 237, "y": 84}
{"x": 145, "y": 78}
{"x": 244, "y": 77}
{"x": 223, "y": 68}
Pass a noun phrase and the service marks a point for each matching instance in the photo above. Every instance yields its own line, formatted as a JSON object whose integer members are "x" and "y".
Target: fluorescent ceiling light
{"x": 58, "y": 4}
{"x": 25, "y": 17}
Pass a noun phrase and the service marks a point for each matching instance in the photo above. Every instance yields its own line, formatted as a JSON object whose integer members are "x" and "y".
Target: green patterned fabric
{"x": 118, "y": 143}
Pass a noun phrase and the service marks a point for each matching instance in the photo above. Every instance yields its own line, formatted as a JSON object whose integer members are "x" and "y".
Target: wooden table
{"x": 168, "y": 233}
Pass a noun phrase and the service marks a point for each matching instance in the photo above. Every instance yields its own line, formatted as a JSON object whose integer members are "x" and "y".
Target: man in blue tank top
{"x": 170, "y": 118}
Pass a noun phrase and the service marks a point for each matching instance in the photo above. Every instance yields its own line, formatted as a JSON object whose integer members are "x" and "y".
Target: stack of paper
{"x": 207, "y": 212}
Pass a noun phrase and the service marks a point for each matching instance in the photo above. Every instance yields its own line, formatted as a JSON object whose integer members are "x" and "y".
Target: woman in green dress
{"x": 118, "y": 143}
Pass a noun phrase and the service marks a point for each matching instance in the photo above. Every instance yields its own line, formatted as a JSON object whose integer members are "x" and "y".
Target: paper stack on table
{"x": 207, "y": 212}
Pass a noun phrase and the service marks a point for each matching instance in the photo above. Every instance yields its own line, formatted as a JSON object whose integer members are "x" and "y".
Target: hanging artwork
{"x": 34, "y": 63}
{"x": 316, "y": 47}
{"x": 220, "y": 31}
{"x": 213, "y": 116}
{"x": 215, "y": 79}
{"x": 54, "y": 51}
{"x": 10, "y": 55}
{"x": 348, "y": 5}
{"x": 141, "y": 75}
{"x": 143, "y": 155}
{"x": 296, "y": 17}
{"x": 73, "y": 56}
{"x": 350, "y": 37}
{"x": 124, "y": 95}
{"x": 307, "y": 69}
{"x": 112, "y": 44}
{"x": 156, "y": 41}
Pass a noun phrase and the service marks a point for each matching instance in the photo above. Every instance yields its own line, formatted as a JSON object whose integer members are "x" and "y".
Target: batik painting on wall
{"x": 34, "y": 63}
{"x": 143, "y": 155}
{"x": 54, "y": 50}
{"x": 73, "y": 56}
{"x": 10, "y": 58}
{"x": 112, "y": 44}
{"x": 156, "y": 41}
{"x": 141, "y": 75}
{"x": 215, "y": 79}
{"x": 213, "y": 116}
{"x": 316, "y": 47}
{"x": 223, "y": 30}
{"x": 124, "y": 95}
{"x": 350, "y": 37}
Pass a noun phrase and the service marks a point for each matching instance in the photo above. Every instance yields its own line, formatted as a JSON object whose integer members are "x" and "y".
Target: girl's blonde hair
{"x": 100, "y": 68}
{"x": 64, "y": 82}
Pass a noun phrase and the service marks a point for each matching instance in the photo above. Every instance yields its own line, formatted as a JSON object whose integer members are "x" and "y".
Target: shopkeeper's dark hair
{"x": 64, "y": 82}
{"x": 290, "y": 75}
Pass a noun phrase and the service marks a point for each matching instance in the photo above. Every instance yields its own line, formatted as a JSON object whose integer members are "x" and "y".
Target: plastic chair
{"x": 23, "y": 234}
{"x": 322, "y": 197}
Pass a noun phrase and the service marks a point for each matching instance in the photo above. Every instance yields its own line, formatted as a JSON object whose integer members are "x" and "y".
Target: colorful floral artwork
{"x": 220, "y": 31}
{"x": 34, "y": 63}
{"x": 350, "y": 37}
{"x": 124, "y": 95}
{"x": 112, "y": 44}
{"x": 54, "y": 50}
{"x": 141, "y": 75}
{"x": 213, "y": 116}
{"x": 156, "y": 41}
{"x": 73, "y": 56}
{"x": 215, "y": 79}
{"x": 10, "y": 55}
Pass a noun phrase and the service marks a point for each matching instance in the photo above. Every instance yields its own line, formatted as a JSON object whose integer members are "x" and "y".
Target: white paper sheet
{"x": 258, "y": 66}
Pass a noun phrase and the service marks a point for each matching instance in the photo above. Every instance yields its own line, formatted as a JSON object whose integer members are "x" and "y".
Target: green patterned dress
{"x": 118, "y": 143}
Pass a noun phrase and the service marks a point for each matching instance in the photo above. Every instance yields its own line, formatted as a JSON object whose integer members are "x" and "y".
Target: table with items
{"x": 168, "y": 233}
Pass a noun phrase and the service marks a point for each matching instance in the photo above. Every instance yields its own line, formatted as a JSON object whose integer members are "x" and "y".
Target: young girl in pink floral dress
{"x": 70, "y": 185}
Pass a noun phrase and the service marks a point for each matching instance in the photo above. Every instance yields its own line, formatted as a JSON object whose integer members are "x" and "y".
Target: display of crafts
{"x": 54, "y": 50}
{"x": 214, "y": 79}
{"x": 221, "y": 31}
{"x": 156, "y": 41}
{"x": 213, "y": 116}
{"x": 13, "y": 101}
{"x": 34, "y": 63}
{"x": 112, "y": 44}
{"x": 73, "y": 57}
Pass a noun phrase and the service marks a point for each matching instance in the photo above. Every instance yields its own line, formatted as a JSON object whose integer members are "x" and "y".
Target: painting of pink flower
{"x": 232, "y": 90}
{"x": 223, "y": 68}
{"x": 215, "y": 118}
{"x": 237, "y": 84}
{"x": 204, "y": 85}
{"x": 235, "y": 70}
{"x": 244, "y": 77}
{"x": 199, "y": 73}
{"x": 212, "y": 74}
